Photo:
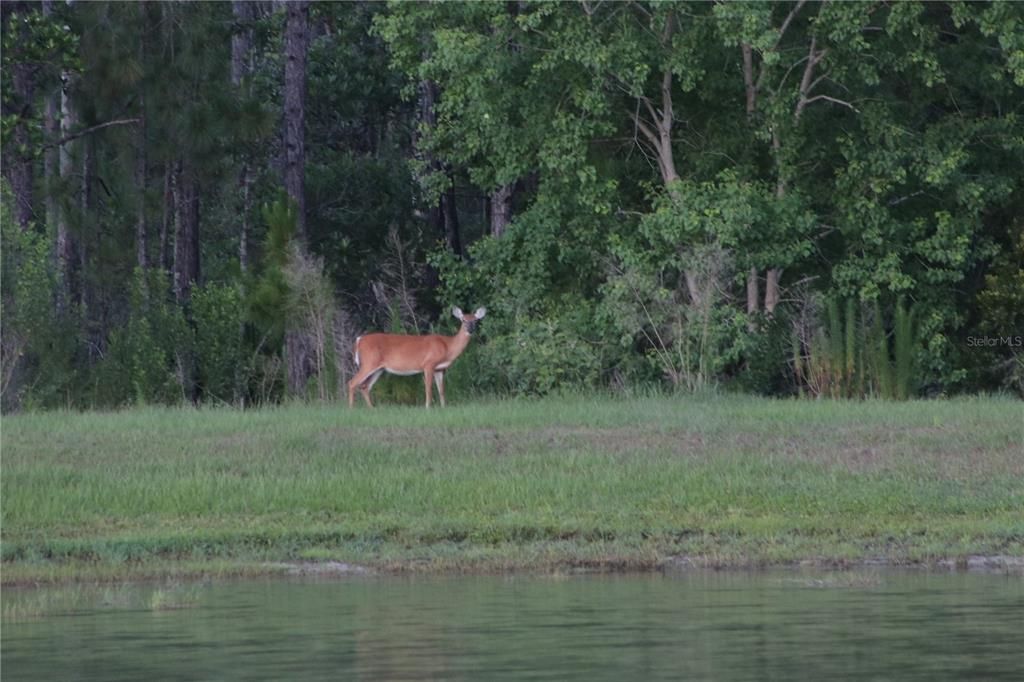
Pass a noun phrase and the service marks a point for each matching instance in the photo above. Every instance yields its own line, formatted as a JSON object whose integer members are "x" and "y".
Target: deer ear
{"x": 457, "y": 312}
{"x": 480, "y": 312}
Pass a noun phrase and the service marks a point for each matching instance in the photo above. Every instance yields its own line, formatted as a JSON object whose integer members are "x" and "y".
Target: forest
{"x": 206, "y": 202}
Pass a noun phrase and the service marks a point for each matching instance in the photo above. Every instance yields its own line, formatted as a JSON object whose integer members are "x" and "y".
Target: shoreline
{"x": 99, "y": 573}
{"x": 545, "y": 486}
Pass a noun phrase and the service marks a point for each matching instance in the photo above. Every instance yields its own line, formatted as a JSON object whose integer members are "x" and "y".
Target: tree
{"x": 743, "y": 171}
{"x": 244, "y": 12}
{"x": 20, "y": 21}
{"x": 296, "y": 48}
{"x": 444, "y": 210}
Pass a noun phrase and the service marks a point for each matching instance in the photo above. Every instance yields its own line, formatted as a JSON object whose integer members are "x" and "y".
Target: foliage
{"x": 268, "y": 297}
{"x": 690, "y": 341}
{"x": 779, "y": 197}
{"x": 837, "y": 353}
{"x": 39, "y": 342}
{"x": 148, "y": 358}
{"x": 999, "y": 348}
{"x": 48, "y": 46}
{"x": 537, "y": 357}
{"x": 219, "y": 316}
{"x": 744, "y": 217}
{"x": 309, "y": 318}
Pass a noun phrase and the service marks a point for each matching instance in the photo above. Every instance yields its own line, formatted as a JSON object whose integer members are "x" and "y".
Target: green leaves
{"x": 863, "y": 151}
{"x": 1005, "y": 22}
{"x": 762, "y": 230}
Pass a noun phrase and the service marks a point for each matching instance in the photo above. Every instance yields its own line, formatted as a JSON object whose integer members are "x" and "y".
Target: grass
{"x": 504, "y": 485}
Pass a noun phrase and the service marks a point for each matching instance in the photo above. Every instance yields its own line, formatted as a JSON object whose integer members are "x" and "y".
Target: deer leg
{"x": 356, "y": 382}
{"x": 367, "y": 385}
{"x": 427, "y": 374}
{"x": 439, "y": 382}
{"x": 363, "y": 377}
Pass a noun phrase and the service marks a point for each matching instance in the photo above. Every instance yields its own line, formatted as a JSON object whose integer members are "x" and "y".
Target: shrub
{"x": 218, "y": 316}
{"x": 148, "y": 358}
{"x": 836, "y": 356}
{"x": 37, "y": 363}
{"x": 310, "y": 323}
{"x": 537, "y": 357}
{"x": 684, "y": 326}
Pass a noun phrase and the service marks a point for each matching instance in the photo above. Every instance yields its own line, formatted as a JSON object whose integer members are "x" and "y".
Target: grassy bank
{"x": 544, "y": 484}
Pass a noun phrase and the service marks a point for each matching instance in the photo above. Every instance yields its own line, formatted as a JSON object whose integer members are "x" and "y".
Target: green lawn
{"x": 496, "y": 485}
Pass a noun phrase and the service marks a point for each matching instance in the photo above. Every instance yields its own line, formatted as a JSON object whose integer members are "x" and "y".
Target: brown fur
{"x": 431, "y": 354}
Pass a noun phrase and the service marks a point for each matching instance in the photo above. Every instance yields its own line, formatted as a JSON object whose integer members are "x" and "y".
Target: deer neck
{"x": 458, "y": 343}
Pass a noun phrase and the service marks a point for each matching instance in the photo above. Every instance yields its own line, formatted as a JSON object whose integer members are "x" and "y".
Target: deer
{"x": 405, "y": 355}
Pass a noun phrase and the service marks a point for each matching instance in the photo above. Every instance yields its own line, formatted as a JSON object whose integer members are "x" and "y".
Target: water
{"x": 694, "y": 626}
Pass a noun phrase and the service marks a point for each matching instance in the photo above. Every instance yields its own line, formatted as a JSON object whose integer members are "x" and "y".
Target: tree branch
{"x": 786, "y": 22}
{"x": 648, "y": 132}
{"x": 813, "y": 58}
{"x": 833, "y": 100}
{"x": 650, "y": 109}
{"x": 748, "y": 77}
{"x": 817, "y": 80}
{"x": 666, "y": 79}
{"x": 92, "y": 129}
{"x": 666, "y": 103}
{"x": 782, "y": 32}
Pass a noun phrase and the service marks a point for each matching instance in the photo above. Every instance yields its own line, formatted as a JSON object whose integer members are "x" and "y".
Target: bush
{"x": 843, "y": 350}
{"x": 218, "y": 315}
{"x": 37, "y": 363}
{"x": 538, "y": 357}
{"x": 690, "y": 340}
{"x": 148, "y": 359}
{"x": 310, "y": 313}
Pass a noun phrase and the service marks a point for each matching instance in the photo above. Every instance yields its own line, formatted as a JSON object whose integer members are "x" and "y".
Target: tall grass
{"x": 643, "y": 477}
{"x": 854, "y": 370}
{"x": 847, "y": 358}
{"x": 903, "y": 349}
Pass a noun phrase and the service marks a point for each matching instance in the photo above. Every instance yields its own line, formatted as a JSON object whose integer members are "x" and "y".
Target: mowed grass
{"x": 496, "y": 485}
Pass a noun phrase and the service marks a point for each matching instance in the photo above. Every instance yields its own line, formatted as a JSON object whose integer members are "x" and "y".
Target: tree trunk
{"x": 295, "y": 52}
{"x": 753, "y": 295}
{"x": 655, "y": 132}
{"x": 66, "y": 247}
{"x": 693, "y": 286}
{"x": 241, "y": 40}
{"x": 168, "y": 216}
{"x": 771, "y": 290}
{"x": 814, "y": 57}
{"x": 450, "y": 216}
{"x": 17, "y": 103}
{"x": 86, "y": 284}
{"x": 296, "y": 43}
{"x": 501, "y": 209}
{"x": 243, "y": 238}
{"x": 750, "y": 87}
{"x": 186, "y": 238}
{"x": 771, "y": 284}
{"x": 141, "y": 235}
{"x": 241, "y": 67}
{"x": 185, "y": 191}
{"x": 444, "y": 214}
{"x": 18, "y": 163}
{"x": 51, "y": 157}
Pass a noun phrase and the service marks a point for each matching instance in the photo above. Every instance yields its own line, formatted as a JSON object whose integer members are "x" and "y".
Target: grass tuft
{"x": 579, "y": 482}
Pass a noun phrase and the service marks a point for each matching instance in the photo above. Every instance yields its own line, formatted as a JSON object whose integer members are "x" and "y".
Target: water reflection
{"x": 695, "y": 626}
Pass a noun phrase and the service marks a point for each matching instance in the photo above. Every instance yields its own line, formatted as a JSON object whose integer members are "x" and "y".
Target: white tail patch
{"x": 358, "y": 339}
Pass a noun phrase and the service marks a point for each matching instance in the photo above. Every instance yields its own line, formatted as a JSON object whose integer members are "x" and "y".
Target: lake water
{"x": 883, "y": 624}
